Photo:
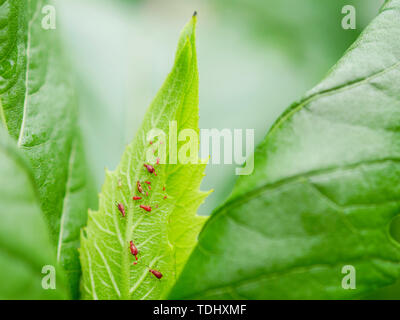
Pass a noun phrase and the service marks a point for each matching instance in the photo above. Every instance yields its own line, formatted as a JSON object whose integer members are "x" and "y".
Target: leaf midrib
{"x": 28, "y": 62}
{"x": 127, "y": 289}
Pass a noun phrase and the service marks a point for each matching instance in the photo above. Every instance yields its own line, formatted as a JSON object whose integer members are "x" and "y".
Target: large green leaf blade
{"x": 324, "y": 191}
{"x": 165, "y": 236}
{"x": 25, "y": 246}
{"x": 39, "y": 111}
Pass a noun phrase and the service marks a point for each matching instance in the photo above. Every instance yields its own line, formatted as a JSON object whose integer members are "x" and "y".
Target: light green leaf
{"x": 324, "y": 191}
{"x": 165, "y": 236}
{"x": 39, "y": 112}
{"x": 24, "y": 243}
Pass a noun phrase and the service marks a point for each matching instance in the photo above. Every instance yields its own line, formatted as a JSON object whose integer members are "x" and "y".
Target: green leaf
{"x": 324, "y": 191}
{"x": 39, "y": 112}
{"x": 24, "y": 243}
{"x": 165, "y": 236}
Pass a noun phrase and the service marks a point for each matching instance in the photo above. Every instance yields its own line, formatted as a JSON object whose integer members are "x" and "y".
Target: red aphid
{"x": 139, "y": 187}
{"x": 135, "y": 263}
{"x": 163, "y": 188}
{"x": 156, "y": 273}
{"x": 147, "y": 194}
{"x": 147, "y": 208}
{"x": 158, "y": 161}
{"x": 149, "y": 187}
{"x": 165, "y": 197}
{"x": 136, "y": 198}
{"x": 148, "y": 182}
{"x": 121, "y": 209}
{"x": 149, "y": 168}
{"x": 151, "y": 142}
{"x": 133, "y": 249}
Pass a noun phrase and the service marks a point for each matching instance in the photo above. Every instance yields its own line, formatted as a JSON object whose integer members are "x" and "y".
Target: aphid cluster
{"x": 140, "y": 189}
{"x": 132, "y": 248}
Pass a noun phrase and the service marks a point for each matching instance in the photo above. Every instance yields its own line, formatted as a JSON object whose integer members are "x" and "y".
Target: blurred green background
{"x": 256, "y": 57}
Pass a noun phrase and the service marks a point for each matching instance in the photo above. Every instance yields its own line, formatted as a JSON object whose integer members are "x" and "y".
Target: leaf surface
{"x": 39, "y": 111}
{"x": 25, "y": 246}
{"x": 165, "y": 236}
{"x": 324, "y": 191}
